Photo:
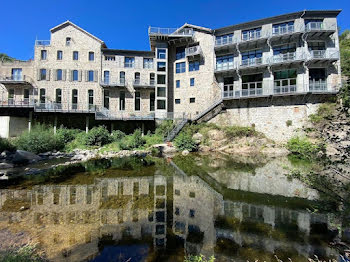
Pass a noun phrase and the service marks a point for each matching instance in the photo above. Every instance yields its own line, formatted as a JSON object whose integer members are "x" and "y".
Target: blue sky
{"x": 123, "y": 24}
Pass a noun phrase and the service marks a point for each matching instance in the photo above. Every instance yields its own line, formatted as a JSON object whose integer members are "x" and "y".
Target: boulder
{"x": 198, "y": 138}
{"x": 22, "y": 157}
{"x": 166, "y": 149}
{"x": 5, "y": 165}
{"x": 185, "y": 152}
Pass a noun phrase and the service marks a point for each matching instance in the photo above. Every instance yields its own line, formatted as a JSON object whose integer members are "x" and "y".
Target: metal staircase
{"x": 178, "y": 127}
{"x": 200, "y": 116}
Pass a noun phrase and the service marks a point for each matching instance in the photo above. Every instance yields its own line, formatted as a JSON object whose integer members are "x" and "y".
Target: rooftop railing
{"x": 170, "y": 31}
{"x": 42, "y": 42}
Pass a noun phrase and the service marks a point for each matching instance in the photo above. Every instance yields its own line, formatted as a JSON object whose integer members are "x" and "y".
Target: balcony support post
{"x": 55, "y": 124}
{"x": 112, "y": 127}
{"x": 143, "y": 128}
{"x": 30, "y": 119}
{"x": 87, "y": 124}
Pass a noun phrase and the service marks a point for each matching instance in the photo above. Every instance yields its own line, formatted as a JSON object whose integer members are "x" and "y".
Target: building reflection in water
{"x": 71, "y": 221}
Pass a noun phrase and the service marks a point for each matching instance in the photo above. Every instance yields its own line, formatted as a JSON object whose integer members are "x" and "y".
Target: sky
{"x": 124, "y": 24}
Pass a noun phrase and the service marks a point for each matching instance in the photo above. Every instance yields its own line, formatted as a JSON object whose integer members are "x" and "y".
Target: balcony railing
{"x": 228, "y": 40}
{"x": 252, "y": 62}
{"x": 280, "y": 58}
{"x": 225, "y": 66}
{"x": 65, "y": 107}
{"x": 318, "y": 54}
{"x": 170, "y": 31}
{"x": 42, "y": 42}
{"x": 11, "y": 102}
{"x": 324, "y": 54}
{"x": 112, "y": 82}
{"x": 13, "y": 78}
{"x": 192, "y": 51}
{"x": 283, "y": 86}
{"x": 251, "y": 36}
{"x": 282, "y": 30}
{"x": 123, "y": 115}
{"x": 318, "y": 86}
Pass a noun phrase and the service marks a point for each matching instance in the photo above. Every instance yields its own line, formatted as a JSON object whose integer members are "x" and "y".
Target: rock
{"x": 5, "y": 165}
{"x": 198, "y": 138}
{"x": 185, "y": 152}
{"x": 333, "y": 153}
{"x": 275, "y": 152}
{"x": 216, "y": 135}
{"x": 6, "y": 153}
{"x": 22, "y": 157}
{"x": 4, "y": 177}
{"x": 166, "y": 149}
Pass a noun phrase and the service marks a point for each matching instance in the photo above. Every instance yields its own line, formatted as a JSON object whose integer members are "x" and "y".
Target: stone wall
{"x": 279, "y": 118}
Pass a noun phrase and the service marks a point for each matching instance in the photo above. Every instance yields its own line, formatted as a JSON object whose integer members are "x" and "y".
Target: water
{"x": 160, "y": 210}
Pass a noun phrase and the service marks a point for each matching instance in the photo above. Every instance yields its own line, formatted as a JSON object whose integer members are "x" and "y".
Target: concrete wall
{"x": 4, "y": 126}
{"x": 11, "y": 126}
{"x": 270, "y": 116}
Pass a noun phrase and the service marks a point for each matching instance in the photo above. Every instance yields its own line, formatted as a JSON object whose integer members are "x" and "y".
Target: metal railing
{"x": 282, "y": 30}
{"x": 104, "y": 113}
{"x": 226, "y": 40}
{"x": 11, "y": 102}
{"x": 224, "y": 66}
{"x": 170, "y": 31}
{"x": 12, "y": 78}
{"x": 65, "y": 107}
{"x": 317, "y": 86}
{"x": 323, "y": 54}
{"x": 252, "y": 62}
{"x": 112, "y": 82}
{"x": 42, "y": 42}
{"x": 251, "y": 36}
{"x": 193, "y": 50}
{"x": 291, "y": 56}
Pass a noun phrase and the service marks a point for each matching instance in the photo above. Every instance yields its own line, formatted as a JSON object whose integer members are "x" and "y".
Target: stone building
{"x": 270, "y": 73}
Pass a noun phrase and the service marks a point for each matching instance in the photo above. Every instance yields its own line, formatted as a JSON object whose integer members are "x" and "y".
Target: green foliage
{"x": 77, "y": 143}
{"x": 153, "y": 139}
{"x": 324, "y": 112}
{"x": 164, "y": 128}
{"x": 199, "y": 258}
{"x": 65, "y": 135}
{"x": 302, "y": 148}
{"x": 344, "y": 43}
{"x": 5, "y": 58}
{"x": 41, "y": 139}
{"x": 97, "y": 136}
{"x": 240, "y": 131}
{"x": 117, "y": 135}
{"x": 134, "y": 141}
{"x": 184, "y": 141}
{"x": 5, "y": 144}
{"x": 23, "y": 254}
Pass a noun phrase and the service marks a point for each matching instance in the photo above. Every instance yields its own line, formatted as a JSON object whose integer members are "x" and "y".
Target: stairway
{"x": 178, "y": 127}
{"x": 213, "y": 110}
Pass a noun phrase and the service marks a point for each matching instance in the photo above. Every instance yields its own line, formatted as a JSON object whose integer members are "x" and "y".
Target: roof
{"x": 142, "y": 53}
{"x": 200, "y": 28}
{"x": 279, "y": 18}
{"x": 66, "y": 23}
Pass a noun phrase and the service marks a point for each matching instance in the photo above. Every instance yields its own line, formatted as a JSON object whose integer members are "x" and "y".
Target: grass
{"x": 27, "y": 253}
{"x": 324, "y": 113}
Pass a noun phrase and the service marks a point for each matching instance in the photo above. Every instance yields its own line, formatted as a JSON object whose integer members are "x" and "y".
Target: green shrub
{"x": 199, "y": 258}
{"x": 5, "y": 144}
{"x": 117, "y": 135}
{"x": 164, "y": 128}
{"x": 324, "y": 111}
{"x": 78, "y": 142}
{"x": 240, "y": 131}
{"x": 133, "y": 141}
{"x": 153, "y": 139}
{"x": 65, "y": 135}
{"x": 97, "y": 136}
{"x": 39, "y": 140}
{"x": 26, "y": 253}
{"x": 303, "y": 148}
{"x": 184, "y": 141}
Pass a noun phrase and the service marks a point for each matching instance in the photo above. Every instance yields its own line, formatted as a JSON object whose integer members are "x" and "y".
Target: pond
{"x": 156, "y": 209}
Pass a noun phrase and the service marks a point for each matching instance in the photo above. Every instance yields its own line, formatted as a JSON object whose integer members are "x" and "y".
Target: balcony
{"x": 251, "y": 36}
{"x": 324, "y": 55}
{"x": 65, "y": 107}
{"x": 277, "y": 31}
{"x": 170, "y": 31}
{"x": 14, "y": 79}
{"x": 193, "y": 51}
{"x": 42, "y": 42}
{"x": 252, "y": 62}
{"x": 105, "y": 114}
{"x": 224, "y": 67}
{"x": 318, "y": 86}
{"x": 10, "y": 102}
{"x": 285, "y": 86}
{"x": 138, "y": 84}
{"x": 110, "y": 82}
{"x": 225, "y": 41}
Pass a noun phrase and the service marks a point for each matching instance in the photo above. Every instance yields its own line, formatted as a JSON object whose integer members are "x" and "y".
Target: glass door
{"x": 16, "y": 74}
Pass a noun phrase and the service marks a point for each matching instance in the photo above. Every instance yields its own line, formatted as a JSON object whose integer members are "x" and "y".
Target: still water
{"x": 156, "y": 209}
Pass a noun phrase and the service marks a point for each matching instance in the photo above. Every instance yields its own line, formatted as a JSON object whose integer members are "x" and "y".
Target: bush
{"x": 117, "y": 135}
{"x": 26, "y": 253}
{"x": 78, "y": 142}
{"x": 184, "y": 141}
{"x": 164, "y": 128}
{"x": 97, "y": 136}
{"x": 5, "y": 144}
{"x": 303, "y": 148}
{"x": 133, "y": 141}
{"x": 240, "y": 131}
{"x": 41, "y": 139}
{"x": 65, "y": 135}
{"x": 153, "y": 139}
{"x": 199, "y": 258}
{"x": 324, "y": 111}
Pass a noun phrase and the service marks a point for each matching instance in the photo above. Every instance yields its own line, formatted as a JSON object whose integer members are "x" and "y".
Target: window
{"x": 160, "y": 104}
{"x": 59, "y": 55}
{"x": 177, "y": 101}
{"x": 68, "y": 40}
{"x": 129, "y": 62}
{"x": 74, "y": 99}
{"x": 253, "y": 57}
{"x": 193, "y": 66}
{"x": 314, "y": 24}
{"x": 43, "y": 55}
{"x": 106, "y": 77}
{"x": 75, "y": 75}
{"x": 11, "y": 95}
{"x": 58, "y": 96}
{"x": 122, "y": 77}
{"x": 91, "y": 56}
{"x": 122, "y": 100}
{"x": 316, "y": 46}
{"x": 224, "y": 62}
{"x": 251, "y": 34}
{"x": 285, "y": 81}
{"x": 109, "y": 58}
{"x": 90, "y": 76}
{"x": 161, "y": 66}
{"x": 192, "y": 194}
{"x": 148, "y": 63}
{"x": 192, "y": 213}
{"x": 180, "y": 53}
{"x": 252, "y": 84}
{"x": 75, "y": 55}
{"x": 91, "y": 98}
{"x": 177, "y": 211}
{"x": 137, "y": 101}
{"x": 106, "y": 99}
{"x": 177, "y": 83}
{"x": 152, "y": 101}
{"x": 177, "y": 192}
{"x": 161, "y": 91}
{"x": 26, "y": 94}
{"x": 137, "y": 79}
{"x": 284, "y": 49}
{"x": 180, "y": 67}
{"x": 16, "y": 74}
{"x": 161, "y": 79}
{"x": 283, "y": 28}
{"x": 191, "y": 81}
{"x": 42, "y": 96}
{"x": 43, "y": 74}
{"x": 59, "y": 74}
{"x": 152, "y": 79}
{"x": 161, "y": 53}
{"x": 192, "y": 100}
{"x": 224, "y": 39}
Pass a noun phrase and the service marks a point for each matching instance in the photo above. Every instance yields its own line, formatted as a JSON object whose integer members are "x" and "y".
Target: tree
{"x": 5, "y": 58}
{"x": 344, "y": 43}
